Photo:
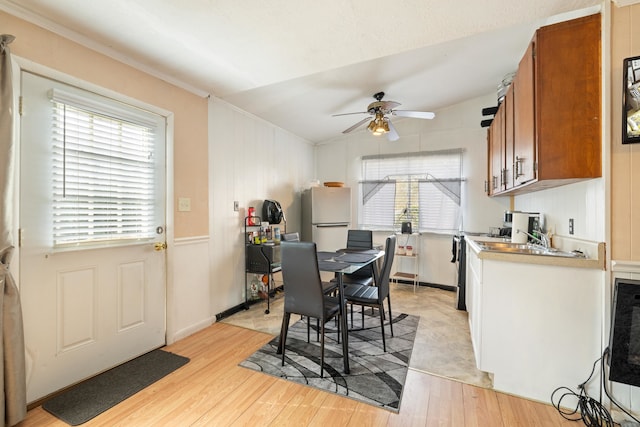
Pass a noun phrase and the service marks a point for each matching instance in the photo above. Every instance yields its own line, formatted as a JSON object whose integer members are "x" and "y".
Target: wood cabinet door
{"x": 568, "y": 99}
{"x": 496, "y": 153}
{"x": 524, "y": 152}
{"x": 509, "y": 163}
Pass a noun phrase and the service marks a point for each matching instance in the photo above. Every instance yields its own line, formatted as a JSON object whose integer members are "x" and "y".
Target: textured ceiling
{"x": 296, "y": 62}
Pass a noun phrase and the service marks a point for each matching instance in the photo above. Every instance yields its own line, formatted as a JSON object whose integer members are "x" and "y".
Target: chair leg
{"x": 390, "y": 315}
{"x": 384, "y": 343}
{"x": 351, "y": 315}
{"x": 283, "y": 335}
{"x": 322, "y": 351}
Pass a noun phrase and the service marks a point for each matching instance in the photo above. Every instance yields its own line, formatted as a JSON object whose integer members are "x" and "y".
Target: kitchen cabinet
{"x": 501, "y": 147}
{"x": 473, "y": 301}
{"x": 496, "y": 152}
{"x": 554, "y": 110}
{"x": 524, "y": 149}
{"x": 526, "y": 328}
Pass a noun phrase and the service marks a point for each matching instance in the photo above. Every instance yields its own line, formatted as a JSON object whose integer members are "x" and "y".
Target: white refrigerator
{"x": 326, "y": 216}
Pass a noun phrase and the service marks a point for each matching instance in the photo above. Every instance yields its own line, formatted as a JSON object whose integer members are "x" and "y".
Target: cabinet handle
{"x": 494, "y": 180}
{"x": 486, "y": 186}
{"x": 518, "y": 166}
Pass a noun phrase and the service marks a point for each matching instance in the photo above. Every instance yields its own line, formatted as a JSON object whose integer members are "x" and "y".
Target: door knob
{"x": 160, "y": 246}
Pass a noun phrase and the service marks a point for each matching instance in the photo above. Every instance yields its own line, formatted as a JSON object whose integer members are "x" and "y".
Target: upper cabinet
{"x": 548, "y": 128}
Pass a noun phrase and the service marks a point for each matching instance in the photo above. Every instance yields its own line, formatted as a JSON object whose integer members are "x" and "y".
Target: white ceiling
{"x": 295, "y": 63}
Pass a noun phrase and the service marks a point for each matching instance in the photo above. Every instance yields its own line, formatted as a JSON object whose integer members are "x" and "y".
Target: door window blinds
{"x": 422, "y": 187}
{"x": 103, "y": 171}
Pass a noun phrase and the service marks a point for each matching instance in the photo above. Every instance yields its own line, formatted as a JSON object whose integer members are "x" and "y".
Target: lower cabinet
{"x": 534, "y": 327}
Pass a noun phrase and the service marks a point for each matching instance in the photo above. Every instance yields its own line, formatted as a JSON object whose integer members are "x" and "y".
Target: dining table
{"x": 347, "y": 261}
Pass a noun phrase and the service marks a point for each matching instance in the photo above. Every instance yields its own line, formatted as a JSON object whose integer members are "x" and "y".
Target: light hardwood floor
{"x": 212, "y": 390}
{"x": 443, "y": 342}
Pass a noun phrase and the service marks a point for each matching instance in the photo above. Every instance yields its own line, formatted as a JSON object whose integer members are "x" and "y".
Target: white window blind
{"x": 423, "y": 188}
{"x": 103, "y": 171}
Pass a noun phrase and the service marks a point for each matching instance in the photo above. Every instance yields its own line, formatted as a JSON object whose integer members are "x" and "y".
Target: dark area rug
{"x": 90, "y": 398}
{"x": 376, "y": 377}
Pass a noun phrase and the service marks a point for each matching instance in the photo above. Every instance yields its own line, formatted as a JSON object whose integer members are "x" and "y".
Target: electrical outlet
{"x": 236, "y": 206}
{"x": 184, "y": 204}
{"x": 570, "y": 225}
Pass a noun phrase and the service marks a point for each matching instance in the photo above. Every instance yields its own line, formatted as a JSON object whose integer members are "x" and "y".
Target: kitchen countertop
{"x": 594, "y": 252}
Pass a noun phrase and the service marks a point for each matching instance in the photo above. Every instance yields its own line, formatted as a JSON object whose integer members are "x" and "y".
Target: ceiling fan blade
{"x": 414, "y": 114}
{"x": 389, "y": 105}
{"x": 349, "y": 114}
{"x": 360, "y": 123}
{"x": 392, "y": 135}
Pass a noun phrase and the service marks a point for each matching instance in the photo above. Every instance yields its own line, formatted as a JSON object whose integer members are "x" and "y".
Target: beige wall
{"x": 625, "y": 159}
{"x": 190, "y": 111}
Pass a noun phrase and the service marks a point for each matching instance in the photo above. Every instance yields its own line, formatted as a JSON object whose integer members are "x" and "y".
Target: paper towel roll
{"x": 520, "y": 222}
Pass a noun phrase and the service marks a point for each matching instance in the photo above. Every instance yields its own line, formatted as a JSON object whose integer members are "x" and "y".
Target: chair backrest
{"x": 385, "y": 271}
{"x": 303, "y": 286}
{"x": 359, "y": 239}
{"x": 290, "y": 237}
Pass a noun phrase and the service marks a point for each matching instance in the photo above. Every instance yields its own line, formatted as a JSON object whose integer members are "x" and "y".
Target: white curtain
{"x": 12, "y": 376}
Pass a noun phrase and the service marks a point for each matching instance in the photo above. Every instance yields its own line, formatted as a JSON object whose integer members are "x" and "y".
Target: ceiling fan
{"x": 381, "y": 124}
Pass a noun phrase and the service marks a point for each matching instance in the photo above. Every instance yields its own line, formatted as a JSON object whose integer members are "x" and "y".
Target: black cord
{"x": 588, "y": 410}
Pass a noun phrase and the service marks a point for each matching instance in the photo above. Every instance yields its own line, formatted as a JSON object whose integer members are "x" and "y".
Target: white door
{"x": 87, "y": 306}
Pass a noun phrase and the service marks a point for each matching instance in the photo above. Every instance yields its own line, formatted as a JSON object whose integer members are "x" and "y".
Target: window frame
{"x": 130, "y": 115}
{"x": 447, "y": 187}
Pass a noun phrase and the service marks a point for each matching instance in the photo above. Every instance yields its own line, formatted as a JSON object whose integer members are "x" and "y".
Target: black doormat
{"x": 90, "y": 398}
{"x": 377, "y": 377}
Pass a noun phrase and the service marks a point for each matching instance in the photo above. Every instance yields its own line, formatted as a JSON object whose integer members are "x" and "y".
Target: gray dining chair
{"x": 329, "y": 288}
{"x": 290, "y": 237}
{"x": 304, "y": 293}
{"x": 359, "y": 239}
{"x": 374, "y": 296}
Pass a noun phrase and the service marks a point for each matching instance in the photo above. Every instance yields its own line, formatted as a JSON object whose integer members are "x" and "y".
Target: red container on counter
{"x": 251, "y": 214}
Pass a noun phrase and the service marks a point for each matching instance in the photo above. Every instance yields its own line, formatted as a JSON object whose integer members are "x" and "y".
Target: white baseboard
{"x": 190, "y": 330}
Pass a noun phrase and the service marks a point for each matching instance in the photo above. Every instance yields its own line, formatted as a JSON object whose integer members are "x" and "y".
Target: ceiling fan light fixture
{"x": 380, "y": 127}
{"x": 380, "y": 123}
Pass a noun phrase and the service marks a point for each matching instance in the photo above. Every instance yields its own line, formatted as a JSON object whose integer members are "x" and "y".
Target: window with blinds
{"x": 423, "y": 188}
{"x": 103, "y": 171}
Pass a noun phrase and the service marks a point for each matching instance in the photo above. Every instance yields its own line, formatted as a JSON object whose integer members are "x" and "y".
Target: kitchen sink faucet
{"x": 544, "y": 241}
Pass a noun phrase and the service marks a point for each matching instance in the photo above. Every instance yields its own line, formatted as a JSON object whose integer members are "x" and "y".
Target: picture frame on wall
{"x": 631, "y": 100}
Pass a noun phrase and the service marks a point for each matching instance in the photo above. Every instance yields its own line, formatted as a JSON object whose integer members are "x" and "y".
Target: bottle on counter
{"x": 255, "y": 287}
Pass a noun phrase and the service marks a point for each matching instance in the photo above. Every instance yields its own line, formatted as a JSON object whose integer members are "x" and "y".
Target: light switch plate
{"x": 236, "y": 206}
{"x": 184, "y": 204}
